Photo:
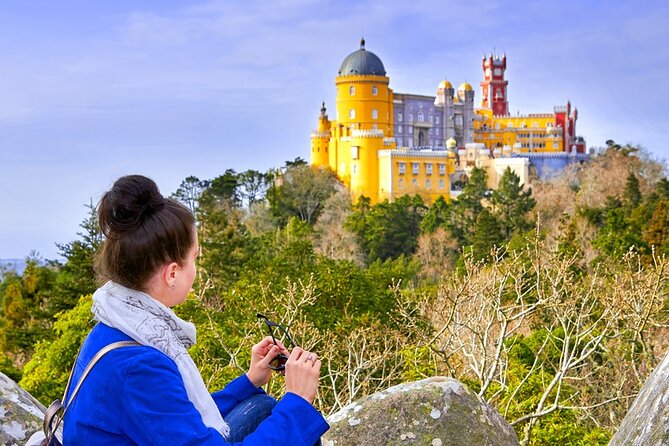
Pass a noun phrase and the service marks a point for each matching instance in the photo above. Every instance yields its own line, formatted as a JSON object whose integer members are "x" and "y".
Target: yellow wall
{"x": 530, "y": 131}
{"x": 394, "y": 184}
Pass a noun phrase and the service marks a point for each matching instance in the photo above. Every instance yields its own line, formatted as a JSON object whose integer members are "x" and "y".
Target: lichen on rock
{"x": 437, "y": 411}
{"x": 20, "y": 414}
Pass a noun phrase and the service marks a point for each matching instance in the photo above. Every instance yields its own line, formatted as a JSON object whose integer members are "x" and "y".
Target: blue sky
{"x": 92, "y": 90}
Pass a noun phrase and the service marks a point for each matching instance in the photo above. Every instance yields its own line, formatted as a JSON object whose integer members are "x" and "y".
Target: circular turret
{"x": 464, "y": 87}
{"x": 362, "y": 62}
{"x": 451, "y": 143}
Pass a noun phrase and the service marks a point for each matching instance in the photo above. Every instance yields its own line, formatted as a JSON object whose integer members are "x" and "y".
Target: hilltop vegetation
{"x": 549, "y": 301}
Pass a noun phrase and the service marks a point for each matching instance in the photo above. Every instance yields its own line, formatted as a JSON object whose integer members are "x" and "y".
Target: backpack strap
{"x": 56, "y": 412}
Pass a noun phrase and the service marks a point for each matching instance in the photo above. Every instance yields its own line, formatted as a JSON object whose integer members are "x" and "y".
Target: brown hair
{"x": 143, "y": 231}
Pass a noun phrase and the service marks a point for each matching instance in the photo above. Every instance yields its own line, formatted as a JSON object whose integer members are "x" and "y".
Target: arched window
{"x": 351, "y": 113}
{"x": 351, "y": 90}
{"x": 375, "y": 114}
{"x": 421, "y": 117}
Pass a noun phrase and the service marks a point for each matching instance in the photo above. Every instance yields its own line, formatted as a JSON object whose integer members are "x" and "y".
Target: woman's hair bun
{"x": 131, "y": 200}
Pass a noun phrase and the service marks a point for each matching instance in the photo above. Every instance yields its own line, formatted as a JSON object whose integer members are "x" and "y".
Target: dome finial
{"x": 362, "y": 43}
{"x": 323, "y": 110}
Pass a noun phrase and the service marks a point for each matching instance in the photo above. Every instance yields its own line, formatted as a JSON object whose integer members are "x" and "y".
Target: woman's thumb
{"x": 271, "y": 354}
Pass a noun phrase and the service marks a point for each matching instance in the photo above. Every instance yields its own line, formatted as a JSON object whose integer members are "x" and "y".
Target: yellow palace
{"x": 385, "y": 144}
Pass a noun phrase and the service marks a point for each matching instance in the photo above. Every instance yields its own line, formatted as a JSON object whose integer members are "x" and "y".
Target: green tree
{"x": 468, "y": 206}
{"x": 303, "y": 192}
{"x": 619, "y": 232}
{"x": 189, "y": 192}
{"x": 436, "y": 216}
{"x": 488, "y": 233}
{"x": 511, "y": 204}
{"x": 76, "y": 277}
{"x": 387, "y": 229}
{"x": 224, "y": 188}
{"x": 632, "y": 194}
{"x": 252, "y": 186}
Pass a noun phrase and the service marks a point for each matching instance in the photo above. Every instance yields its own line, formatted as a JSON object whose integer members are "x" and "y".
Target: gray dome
{"x": 362, "y": 62}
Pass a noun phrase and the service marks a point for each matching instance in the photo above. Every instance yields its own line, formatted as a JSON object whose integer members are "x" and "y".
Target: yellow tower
{"x": 320, "y": 141}
{"x": 364, "y": 122}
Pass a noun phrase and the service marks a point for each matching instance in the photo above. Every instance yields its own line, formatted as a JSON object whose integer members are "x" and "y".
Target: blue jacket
{"x": 135, "y": 396}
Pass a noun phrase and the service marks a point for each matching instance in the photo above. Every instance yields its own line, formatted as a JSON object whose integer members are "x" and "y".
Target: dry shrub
{"x": 331, "y": 239}
{"x": 437, "y": 253}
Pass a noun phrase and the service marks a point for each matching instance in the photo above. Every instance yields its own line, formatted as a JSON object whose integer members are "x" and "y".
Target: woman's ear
{"x": 169, "y": 275}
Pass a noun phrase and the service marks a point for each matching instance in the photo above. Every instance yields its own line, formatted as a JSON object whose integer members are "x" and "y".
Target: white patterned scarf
{"x": 151, "y": 323}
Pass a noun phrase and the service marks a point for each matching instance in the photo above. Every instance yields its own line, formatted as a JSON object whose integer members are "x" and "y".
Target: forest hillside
{"x": 549, "y": 300}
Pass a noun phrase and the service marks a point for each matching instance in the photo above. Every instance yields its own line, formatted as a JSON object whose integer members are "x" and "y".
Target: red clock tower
{"x": 493, "y": 87}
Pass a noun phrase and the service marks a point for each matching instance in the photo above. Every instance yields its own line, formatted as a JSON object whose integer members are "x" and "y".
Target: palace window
{"x": 410, "y": 117}
{"x": 428, "y": 184}
{"x": 535, "y": 125}
{"x": 428, "y": 168}
{"x": 402, "y": 168}
{"x": 375, "y": 90}
{"x": 410, "y": 130}
{"x": 399, "y": 129}
{"x": 351, "y": 113}
{"x": 442, "y": 169}
{"x": 375, "y": 114}
{"x": 437, "y": 132}
{"x": 420, "y": 116}
{"x": 413, "y": 181}
{"x": 414, "y": 168}
{"x": 351, "y": 90}
{"x": 436, "y": 119}
{"x": 355, "y": 169}
{"x": 441, "y": 183}
{"x": 399, "y": 116}
{"x": 354, "y": 152}
{"x": 555, "y": 144}
{"x": 509, "y": 124}
{"x": 497, "y": 126}
{"x": 401, "y": 183}
{"x": 374, "y": 126}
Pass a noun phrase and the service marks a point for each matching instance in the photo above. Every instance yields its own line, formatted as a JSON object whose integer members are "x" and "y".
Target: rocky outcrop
{"x": 20, "y": 414}
{"x": 647, "y": 422}
{"x": 435, "y": 412}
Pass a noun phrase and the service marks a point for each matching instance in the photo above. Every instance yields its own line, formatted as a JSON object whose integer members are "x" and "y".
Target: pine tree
{"x": 468, "y": 206}
{"x": 436, "y": 216}
{"x": 487, "y": 235}
{"x": 511, "y": 204}
{"x": 632, "y": 192}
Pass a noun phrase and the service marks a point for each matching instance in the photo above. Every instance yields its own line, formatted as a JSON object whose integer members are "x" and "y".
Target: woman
{"x": 153, "y": 394}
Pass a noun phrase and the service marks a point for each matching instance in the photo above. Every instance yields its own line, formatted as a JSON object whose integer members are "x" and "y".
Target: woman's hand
{"x": 303, "y": 369}
{"x": 261, "y": 354}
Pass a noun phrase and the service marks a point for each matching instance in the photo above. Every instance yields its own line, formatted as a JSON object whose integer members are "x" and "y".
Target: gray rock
{"x": 437, "y": 411}
{"x": 647, "y": 422}
{"x": 20, "y": 414}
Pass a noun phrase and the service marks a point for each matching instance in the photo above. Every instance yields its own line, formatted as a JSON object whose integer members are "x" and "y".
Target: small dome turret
{"x": 443, "y": 85}
{"x": 465, "y": 87}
